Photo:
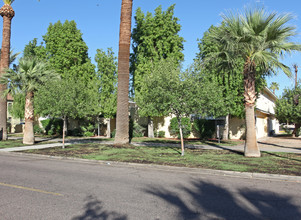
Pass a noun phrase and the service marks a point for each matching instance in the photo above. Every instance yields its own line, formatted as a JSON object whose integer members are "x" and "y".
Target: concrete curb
{"x": 224, "y": 173}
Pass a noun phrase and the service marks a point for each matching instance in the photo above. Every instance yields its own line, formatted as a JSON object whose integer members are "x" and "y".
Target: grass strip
{"x": 274, "y": 163}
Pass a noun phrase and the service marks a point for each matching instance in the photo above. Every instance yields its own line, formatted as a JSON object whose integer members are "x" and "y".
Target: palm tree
{"x": 261, "y": 39}
{"x": 7, "y": 13}
{"x": 122, "y": 123}
{"x": 274, "y": 86}
{"x": 28, "y": 77}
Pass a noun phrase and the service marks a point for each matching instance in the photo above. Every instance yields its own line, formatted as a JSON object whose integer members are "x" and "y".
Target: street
{"x": 39, "y": 187}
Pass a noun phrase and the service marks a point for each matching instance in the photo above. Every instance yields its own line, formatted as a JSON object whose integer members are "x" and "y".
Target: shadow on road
{"x": 94, "y": 210}
{"x": 209, "y": 201}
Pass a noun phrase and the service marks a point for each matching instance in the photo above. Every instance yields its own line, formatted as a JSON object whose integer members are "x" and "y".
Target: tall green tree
{"x": 67, "y": 52}
{"x": 67, "y": 98}
{"x": 155, "y": 37}
{"x": 122, "y": 120}
{"x": 288, "y": 107}
{"x": 107, "y": 75}
{"x": 32, "y": 49}
{"x": 228, "y": 76}
{"x": 274, "y": 86}
{"x": 29, "y": 76}
{"x": 7, "y": 13}
{"x": 260, "y": 39}
{"x": 172, "y": 92}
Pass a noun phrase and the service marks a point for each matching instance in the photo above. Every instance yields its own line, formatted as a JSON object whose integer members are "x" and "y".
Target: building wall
{"x": 237, "y": 128}
{"x": 15, "y": 125}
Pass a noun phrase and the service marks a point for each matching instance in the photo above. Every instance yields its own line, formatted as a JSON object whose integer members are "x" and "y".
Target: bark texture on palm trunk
{"x": 251, "y": 147}
{"x": 7, "y": 13}
{"x": 122, "y": 118}
{"x": 28, "y": 137}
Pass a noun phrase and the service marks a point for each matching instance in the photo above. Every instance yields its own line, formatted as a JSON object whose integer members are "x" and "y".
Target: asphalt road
{"x": 37, "y": 187}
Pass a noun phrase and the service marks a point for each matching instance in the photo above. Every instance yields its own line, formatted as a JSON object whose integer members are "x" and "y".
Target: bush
{"x": 75, "y": 132}
{"x": 113, "y": 133}
{"x": 136, "y": 130}
{"x": 161, "y": 134}
{"x": 174, "y": 127}
{"x": 53, "y": 126}
{"x": 88, "y": 134}
{"x": 37, "y": 129}
{"x": 205, "y": 128}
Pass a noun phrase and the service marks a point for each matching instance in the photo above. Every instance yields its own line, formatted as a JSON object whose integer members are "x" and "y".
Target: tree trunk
{"x": 28, "y": 137}
{"x": 64, "y": 130}
{"x": 295, "y": 132}
{"x": 226, "y": 129}
{"x": 108, "y": 128}
{"x": 122, "y": 118}
{"x": 181, "y": 136}
{"x": 7, "y": 13}
{"x": 150, "y": 128}
{"x": 251, "y": 147}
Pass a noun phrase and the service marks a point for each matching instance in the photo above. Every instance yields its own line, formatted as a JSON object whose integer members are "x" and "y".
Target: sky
{"x": 99, "y": 21}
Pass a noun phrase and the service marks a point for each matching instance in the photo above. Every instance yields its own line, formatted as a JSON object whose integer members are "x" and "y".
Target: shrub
{"x": 113, "y": 133}
{"x": 205, "y": 128}
{"x": 53, "y": 126}
{"x": 75, "y": 132}
{"x": 174, "y": 127}
{"x": 161, "y": 134}
{"x": 88, "y": 129}
{"x": 136, "y": 130}
{"x": 37, "y": 129}
{"x": 88, "y": 134}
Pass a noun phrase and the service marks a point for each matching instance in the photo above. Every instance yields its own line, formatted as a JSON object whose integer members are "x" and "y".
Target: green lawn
{"x": 11, "y": 143}
{"x": 276, "y": 163}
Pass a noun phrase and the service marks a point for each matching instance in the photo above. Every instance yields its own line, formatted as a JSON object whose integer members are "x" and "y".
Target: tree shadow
{"x": 226, "y": 148}
{"x": 276, "y": 145}
{"x": 209, "y": 201}
{"x": 94, "y": 210}
{"x": 281, "y": 156}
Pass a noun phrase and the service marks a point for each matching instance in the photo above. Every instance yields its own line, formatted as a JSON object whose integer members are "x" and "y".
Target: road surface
{"x": 39, "y": 187}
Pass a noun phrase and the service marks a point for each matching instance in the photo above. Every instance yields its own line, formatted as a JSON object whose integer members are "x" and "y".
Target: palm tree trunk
{"x": 28, "y": 137}
{"x": 150, "y": 128}
{"x": 7, "y": 13}
{"x": 122, "y": 119}
{"x": 251, "y": 147}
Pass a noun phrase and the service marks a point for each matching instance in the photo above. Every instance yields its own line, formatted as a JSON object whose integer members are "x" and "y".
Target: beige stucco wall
{"x": 15, "y": 123}
{"x": 236, "y": 128}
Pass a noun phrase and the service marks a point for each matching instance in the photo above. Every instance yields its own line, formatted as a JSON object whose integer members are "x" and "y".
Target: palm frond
{"x": 8, "y": 2}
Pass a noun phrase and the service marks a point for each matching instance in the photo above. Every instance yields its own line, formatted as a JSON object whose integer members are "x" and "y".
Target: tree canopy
{"x": 288, "y": 107}
{"x": 169, "y": 91}
{"x": 67, "y": 52}
{"x": 107, "y": 75}
{"x": 155, "y": 37}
